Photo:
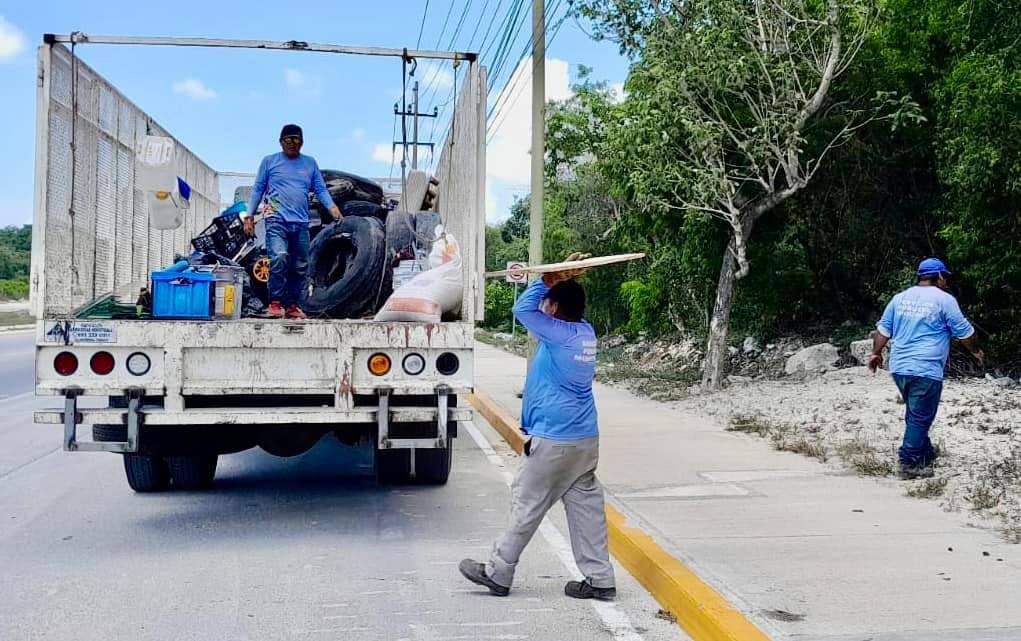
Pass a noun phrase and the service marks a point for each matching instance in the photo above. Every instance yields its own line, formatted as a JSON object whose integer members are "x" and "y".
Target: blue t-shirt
{"x": 282, "y": 185}
{"x": 920, "y": 323}
{"x": 558, "y": 402}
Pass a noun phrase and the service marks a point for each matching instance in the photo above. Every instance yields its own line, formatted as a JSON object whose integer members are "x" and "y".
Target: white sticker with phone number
{"x": 88, "y": 332}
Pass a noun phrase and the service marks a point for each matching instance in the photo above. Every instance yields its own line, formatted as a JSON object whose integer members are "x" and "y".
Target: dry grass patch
{"x": 928, "y": 489}
{"x": 750, "y": 424}
{"x": 864, "y": 458}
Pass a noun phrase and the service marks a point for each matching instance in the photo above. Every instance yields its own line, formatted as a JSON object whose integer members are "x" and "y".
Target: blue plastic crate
{"x": 182, "y": 294}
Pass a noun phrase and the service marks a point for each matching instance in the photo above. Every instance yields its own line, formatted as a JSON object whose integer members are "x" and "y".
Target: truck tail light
{"x": 102, "y": 363}
{"x": 413, "y": 364}
{"x": 65, "y": 363}
{"x": 379, "y": 364}
{"x": 138, "y": 364}
{"x": 448, "y": 363}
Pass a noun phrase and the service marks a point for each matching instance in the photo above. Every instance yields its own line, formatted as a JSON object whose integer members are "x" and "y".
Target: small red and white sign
{"x": 516, "y": 273}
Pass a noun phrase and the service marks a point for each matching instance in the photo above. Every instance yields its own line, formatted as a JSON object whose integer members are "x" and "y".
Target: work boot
{"x": 294, "y": 313}
{"x": 476, "y": 573}
{"x": 276, "y": 310}
{"x": 585, "y": 590}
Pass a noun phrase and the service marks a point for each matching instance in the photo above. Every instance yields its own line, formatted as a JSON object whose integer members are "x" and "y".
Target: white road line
{"x": 614, "y": 619}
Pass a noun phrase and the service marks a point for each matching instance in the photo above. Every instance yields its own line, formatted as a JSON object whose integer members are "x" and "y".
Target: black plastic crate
{"x": 224, "y": 236}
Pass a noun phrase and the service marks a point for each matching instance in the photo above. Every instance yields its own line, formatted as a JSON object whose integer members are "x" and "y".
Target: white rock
{"x": 751, "y": 346}
{"x": 812, "y": 360}
{"x": 732, "y": 351}
{"x": 739, "y": 380}
{"x": 501, "y": 336}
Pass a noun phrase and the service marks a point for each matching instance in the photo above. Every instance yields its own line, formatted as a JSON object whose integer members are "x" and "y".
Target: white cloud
{"x": 12, "y": 41}
{"x": 436, "y": 75}
{"x": 301, "y": 83}
{"x": 508, "y": 161}
{"x": 383, "y": 153}
{"x": 194, "y": 89}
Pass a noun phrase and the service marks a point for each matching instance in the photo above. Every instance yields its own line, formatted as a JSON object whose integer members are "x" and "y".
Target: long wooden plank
{"x": 574, "y": 264}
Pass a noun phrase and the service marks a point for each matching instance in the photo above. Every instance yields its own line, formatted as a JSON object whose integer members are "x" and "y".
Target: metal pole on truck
{"x": 414, "y": 129}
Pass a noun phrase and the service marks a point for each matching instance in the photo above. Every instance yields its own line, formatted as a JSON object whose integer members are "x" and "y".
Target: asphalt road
{"x": 302, "y": 548}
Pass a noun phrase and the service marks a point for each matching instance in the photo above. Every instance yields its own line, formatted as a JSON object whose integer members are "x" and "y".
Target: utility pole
{"x": 535, "y": 217}
{"x": 414, "y": 142}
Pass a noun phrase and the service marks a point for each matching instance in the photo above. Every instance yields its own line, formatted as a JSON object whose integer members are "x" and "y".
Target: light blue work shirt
{"x": 558, "y": 402}
{"x": 282, "y": 185}
{"x": 920, "y": 323}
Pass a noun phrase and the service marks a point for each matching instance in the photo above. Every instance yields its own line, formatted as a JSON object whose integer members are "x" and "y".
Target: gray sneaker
{"x": 476, "y": 573}
{"x": 585, "y": 590}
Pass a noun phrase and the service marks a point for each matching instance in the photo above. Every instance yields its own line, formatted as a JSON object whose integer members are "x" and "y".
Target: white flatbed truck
{"x": 177, "y": 394}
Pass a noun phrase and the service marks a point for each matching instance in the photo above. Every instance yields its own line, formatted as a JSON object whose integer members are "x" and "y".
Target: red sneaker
{"x": 276, "y": 310}
{"x": 294, "y": 313}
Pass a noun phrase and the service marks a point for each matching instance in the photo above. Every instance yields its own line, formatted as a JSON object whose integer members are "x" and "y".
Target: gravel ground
{"x": 855, "y": 419}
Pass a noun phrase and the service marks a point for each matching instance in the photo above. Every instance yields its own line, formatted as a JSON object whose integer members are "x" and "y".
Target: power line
{"x": 510, "y": 34}
{"x": 460, "y": 23}
{"x": 450, "y": 9}
{"x": 496, "y": 126}
{"x": 478, "y": 24}
{"x": 421, "y": 28}
{"x": 504, "y": 93}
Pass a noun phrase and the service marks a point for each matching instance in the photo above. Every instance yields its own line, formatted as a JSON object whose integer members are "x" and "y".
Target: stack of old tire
{"x": 350, "y": 272}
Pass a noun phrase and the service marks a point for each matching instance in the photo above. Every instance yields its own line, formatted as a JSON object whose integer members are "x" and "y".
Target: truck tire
{"x": 344, "y": 187}
{"x": 400, "y": 236}
{"x": 347, "y": 260}
{"x": 192, "y": 472}
{"x": 393, "y": 467}
{"x": 363, "y": 208}
{"x": 146, "y": 473}
{"x": 432, "y": 467}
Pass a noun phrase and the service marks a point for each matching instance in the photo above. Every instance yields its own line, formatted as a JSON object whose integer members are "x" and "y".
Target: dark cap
{"x": 291, "y": 130}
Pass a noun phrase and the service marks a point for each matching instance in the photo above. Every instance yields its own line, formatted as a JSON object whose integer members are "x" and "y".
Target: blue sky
{"x": 228, "y": 105}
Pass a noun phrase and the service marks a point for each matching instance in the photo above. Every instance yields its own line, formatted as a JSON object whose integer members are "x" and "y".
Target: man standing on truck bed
{"x": 280, "y": 196}
{"x": 919, "y": 323}
{"x": 559, "y": 416}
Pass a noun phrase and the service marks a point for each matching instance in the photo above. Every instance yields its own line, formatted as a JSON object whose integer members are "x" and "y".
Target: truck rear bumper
{"x": 252, "y": 416}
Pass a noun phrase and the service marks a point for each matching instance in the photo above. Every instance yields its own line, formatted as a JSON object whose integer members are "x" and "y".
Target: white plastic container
{"x": 155, "y": 169}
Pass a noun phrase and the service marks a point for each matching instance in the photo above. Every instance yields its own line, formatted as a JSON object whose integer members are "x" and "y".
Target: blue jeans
{"x": 921, "y": 400}
{"x": 287, "y": 246}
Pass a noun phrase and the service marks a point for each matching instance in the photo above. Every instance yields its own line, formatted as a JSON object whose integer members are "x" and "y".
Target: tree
{"x": 729, "y": 118}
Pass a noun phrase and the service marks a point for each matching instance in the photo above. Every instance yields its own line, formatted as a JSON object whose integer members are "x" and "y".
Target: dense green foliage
{"x": 15, "y": 257}
{"x": 947, "y": 184}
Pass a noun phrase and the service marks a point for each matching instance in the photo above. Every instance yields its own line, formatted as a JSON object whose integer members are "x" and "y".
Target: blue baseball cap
{"x": 931, "y": 267}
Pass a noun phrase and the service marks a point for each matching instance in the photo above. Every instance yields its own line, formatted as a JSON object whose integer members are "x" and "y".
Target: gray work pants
{"x": 555, "y": 470}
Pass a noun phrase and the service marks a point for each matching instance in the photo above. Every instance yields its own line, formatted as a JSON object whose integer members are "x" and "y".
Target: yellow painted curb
{"x": 501, "y": 420}
{"x": 702, "y": 611}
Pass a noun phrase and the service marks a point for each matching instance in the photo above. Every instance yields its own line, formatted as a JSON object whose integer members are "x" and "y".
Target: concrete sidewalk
{"x": 806, "y": 551}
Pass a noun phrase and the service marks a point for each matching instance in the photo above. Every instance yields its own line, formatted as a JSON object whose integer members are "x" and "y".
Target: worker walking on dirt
{"x": 919, "y": 324}
{"x": 280, "y": 197}
{"x": 559, "y": 417}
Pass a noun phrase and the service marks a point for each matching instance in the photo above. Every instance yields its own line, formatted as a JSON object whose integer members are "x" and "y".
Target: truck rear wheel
{"x": 193, "y": 472}
{"x": 432, "y": 467}
{"x": 146, "y": 473}
{"x": 393, "y": 467}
